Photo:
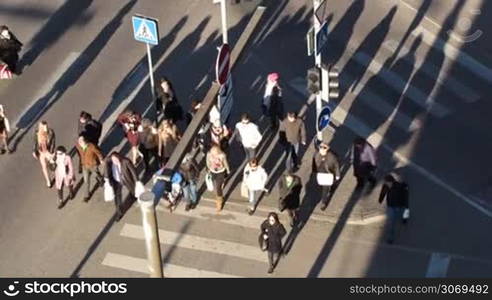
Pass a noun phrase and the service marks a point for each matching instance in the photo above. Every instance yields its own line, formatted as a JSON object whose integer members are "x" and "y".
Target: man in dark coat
{"x": 89, "y": 128}
{"x": 363, "y": 157}
{"x": 325, "y": 161}
{"x": 10, "y": 47}
{"x": 292, "y": 132}
{"x": 120, "y": 171}
{"x": 396, "y": 194}
{"x": 289, "y": 189}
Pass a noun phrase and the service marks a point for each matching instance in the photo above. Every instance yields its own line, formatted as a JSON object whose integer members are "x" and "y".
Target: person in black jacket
{"x": 167, "y": 102}
{"x": 325, "y": 162}
{"x": 9, "y": 48}
{"x": 289, "y": 189}
{"x": 363, "y": 157}
{"x": 89, "y": 128}
{"x": 119, "y": 171}
{"x": 396, "y": 194}
{"x": 272, "y": 232}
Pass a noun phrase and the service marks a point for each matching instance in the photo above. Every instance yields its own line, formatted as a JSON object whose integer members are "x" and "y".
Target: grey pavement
{"x": 441, "y": 149}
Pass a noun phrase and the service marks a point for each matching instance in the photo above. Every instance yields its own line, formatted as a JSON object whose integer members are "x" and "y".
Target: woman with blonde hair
{"x": 169, "y": 137}
{"x": 218, "y": 169}
{"x": 44, "y": 146}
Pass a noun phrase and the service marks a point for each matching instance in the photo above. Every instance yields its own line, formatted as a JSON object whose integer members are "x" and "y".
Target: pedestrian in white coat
{"x": 249, "y": 135}
{"x": 255, "y": 178}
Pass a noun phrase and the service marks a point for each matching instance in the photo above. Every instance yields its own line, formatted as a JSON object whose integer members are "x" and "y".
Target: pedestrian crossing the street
{"x": 227, "y": 248}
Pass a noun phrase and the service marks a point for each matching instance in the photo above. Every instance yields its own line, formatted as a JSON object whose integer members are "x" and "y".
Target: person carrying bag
{"x": 327, "y": 170}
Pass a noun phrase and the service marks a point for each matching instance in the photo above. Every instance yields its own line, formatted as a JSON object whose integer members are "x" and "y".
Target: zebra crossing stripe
{"x": 438, "y": 265}
{"x": 139, "y": 265}
{"x": 454, "y": 54}
{"x": 444, "y": 80}
{"x": 398, "y": 84}
{"x": 227, "y": 217}
{"x": 195, "y": 242}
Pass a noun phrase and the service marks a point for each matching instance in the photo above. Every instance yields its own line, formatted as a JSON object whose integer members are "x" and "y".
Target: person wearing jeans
{"x": 255, "y": 178}
{"x": 249, "y": 135}
{"x": 396, "y": 194}
{"x": 292, "y": 133}
{"x": 90, "y": 158}
{"x": 190, "y": 172}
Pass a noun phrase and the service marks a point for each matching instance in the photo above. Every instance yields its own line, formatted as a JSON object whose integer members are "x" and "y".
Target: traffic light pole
{"x": 317, "y": 61}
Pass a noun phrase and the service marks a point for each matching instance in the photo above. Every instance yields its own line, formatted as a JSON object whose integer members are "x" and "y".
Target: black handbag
{"x": 262, "y": 242}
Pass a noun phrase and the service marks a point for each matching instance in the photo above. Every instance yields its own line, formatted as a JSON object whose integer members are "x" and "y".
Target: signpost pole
{"x": 151, "y": 74}
{"x": 151, "y": 233}
{"x": 223, "y": 13}
{"x": 317, "y": 60}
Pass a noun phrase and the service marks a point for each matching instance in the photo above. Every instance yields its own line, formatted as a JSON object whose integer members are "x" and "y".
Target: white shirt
{"x": 250, "y": 135}
{"x": 116, "y": 173}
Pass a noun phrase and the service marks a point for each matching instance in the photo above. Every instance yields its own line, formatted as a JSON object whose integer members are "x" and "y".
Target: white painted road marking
{"x": 139, "y": 265}
{"x": 399, "y": 85}
{"x": 454, "y": 54}
{"x": 194, "y": 242}
{"x": 438, "y": 265}
{"x": 228, "y": 217}
{"x": 443, "y": 80}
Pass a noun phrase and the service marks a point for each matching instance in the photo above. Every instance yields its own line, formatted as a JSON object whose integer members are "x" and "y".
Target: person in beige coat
{"x": 169, "y": 137}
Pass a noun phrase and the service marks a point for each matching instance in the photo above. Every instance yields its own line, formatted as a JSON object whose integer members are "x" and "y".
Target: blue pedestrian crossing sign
{"x": 145, "y": 30}
{"x": 324, "y": 118}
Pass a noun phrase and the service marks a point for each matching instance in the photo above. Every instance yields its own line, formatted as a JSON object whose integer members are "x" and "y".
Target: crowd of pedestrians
{"x": 153, "y": 145}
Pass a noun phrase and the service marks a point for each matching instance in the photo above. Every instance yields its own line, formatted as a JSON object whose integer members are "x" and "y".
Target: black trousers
{"x": 118, "y": 198}
{"x": 60, "y": 192}
{"x": 325, "y": 193}
{"x": 273, "y": 258}
{"x": 219, "y": 180}
{"x": 148, "y": 154}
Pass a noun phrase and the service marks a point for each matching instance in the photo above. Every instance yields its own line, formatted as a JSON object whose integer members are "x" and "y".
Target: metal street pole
{"x": 317, "y": 61}
{"x": 152, "y": 244}
{"x": 151, "y": 74}
{"x": 223, "y": 13}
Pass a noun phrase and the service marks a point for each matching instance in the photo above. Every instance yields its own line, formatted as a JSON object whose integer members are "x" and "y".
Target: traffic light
{"x": 314, "y": 80}
{"x": 333, "y": 83}
{"x": 330, "y": 83}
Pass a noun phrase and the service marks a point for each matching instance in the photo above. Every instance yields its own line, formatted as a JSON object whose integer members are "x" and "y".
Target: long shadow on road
{"x": 70, "y": 76}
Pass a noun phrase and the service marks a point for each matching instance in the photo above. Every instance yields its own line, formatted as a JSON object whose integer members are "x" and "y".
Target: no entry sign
{"x": 222, "y": 65}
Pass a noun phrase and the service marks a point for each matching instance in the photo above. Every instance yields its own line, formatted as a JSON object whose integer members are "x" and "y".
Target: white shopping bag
{"x": 139, "y": 189}
{"x": 108, "y": 192}
{"x": 325, "y": 179}
{"x": 209, "y": 182}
